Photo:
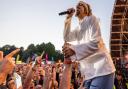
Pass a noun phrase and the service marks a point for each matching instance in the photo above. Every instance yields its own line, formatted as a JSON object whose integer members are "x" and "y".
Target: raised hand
{"x": 30, "y": 73}
{"x": 7, "y": 65}
{"x": 7, "y": 62}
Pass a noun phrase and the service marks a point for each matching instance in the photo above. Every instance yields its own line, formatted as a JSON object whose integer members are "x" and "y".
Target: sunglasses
{"x": 80, "y": 4}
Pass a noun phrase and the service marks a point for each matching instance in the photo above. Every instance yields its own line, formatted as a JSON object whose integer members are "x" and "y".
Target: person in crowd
{"x": 125, "y": 65}
{"x": 30, "y": 74}
{"x": 118, "y": 63}
{"x": 11, "y": 84}
{"x": 38, "y": 76}
{"x": 120, "y": 82}
{"x": 53, "y": 84}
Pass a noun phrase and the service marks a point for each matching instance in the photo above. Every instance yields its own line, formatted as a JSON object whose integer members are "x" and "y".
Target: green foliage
{"x": 7, "y": 49}
{"x": 32, "y": 49}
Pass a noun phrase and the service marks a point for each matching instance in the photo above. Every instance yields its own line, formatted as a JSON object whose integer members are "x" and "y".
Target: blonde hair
{"x": 87, "y": 8}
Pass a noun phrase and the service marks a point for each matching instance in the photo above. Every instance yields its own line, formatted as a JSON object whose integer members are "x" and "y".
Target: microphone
{"x": 67, "y": 12}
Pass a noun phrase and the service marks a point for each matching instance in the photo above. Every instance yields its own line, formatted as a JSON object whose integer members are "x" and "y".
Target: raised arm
{"x": 7, "y": 65}
{"x": 70, "y": 35}
{"x": 30, "y": 75}
{"x": 46, "y": 78}
{"x": 66, "y": 77}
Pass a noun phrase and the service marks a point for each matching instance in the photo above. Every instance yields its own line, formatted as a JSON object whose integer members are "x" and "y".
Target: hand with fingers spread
{"x": 7, "y": 64}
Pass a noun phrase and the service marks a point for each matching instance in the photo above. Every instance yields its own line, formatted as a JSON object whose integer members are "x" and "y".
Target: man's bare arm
{"x": 66, "y": 77}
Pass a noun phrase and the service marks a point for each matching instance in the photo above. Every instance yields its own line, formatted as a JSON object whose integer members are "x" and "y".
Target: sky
{"x": 23, "y": 22}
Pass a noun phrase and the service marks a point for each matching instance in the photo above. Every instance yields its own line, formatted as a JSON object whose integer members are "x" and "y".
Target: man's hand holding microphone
{"x": 67, "y": 51}
{"x": 70, "y": 12}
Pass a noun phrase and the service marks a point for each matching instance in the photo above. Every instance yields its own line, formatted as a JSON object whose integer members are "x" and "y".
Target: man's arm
{"x": 46, "y": 78}
{"x": 68, "y": 34}
{"x": 66, "y": 77}
{"x": 30, "y": 74}
{"x": 28, "y": 79}
{"x": 7, "y": 65}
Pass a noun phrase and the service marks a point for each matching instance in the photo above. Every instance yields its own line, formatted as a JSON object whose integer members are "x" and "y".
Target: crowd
{"x": 36, "y": 75}
{"x": 95, "y": 69}
{"x": 121, "y": 78}
{"x": 49, "y": 76}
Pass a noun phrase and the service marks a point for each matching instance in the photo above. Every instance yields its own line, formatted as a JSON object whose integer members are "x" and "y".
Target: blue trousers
{"x": 101, "y": 82}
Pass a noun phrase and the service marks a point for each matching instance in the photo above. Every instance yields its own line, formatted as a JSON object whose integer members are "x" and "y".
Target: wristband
{"x": 67, "y": 61}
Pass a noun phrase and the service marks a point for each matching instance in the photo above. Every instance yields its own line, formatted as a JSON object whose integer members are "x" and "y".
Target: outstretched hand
{"x": 7, "y": 62}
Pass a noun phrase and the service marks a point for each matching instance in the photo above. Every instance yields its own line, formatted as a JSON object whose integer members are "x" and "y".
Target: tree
{"x": 48, "y": 48}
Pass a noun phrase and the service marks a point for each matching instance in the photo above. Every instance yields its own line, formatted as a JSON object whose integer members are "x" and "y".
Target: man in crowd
{"x": 125, "y": 64}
